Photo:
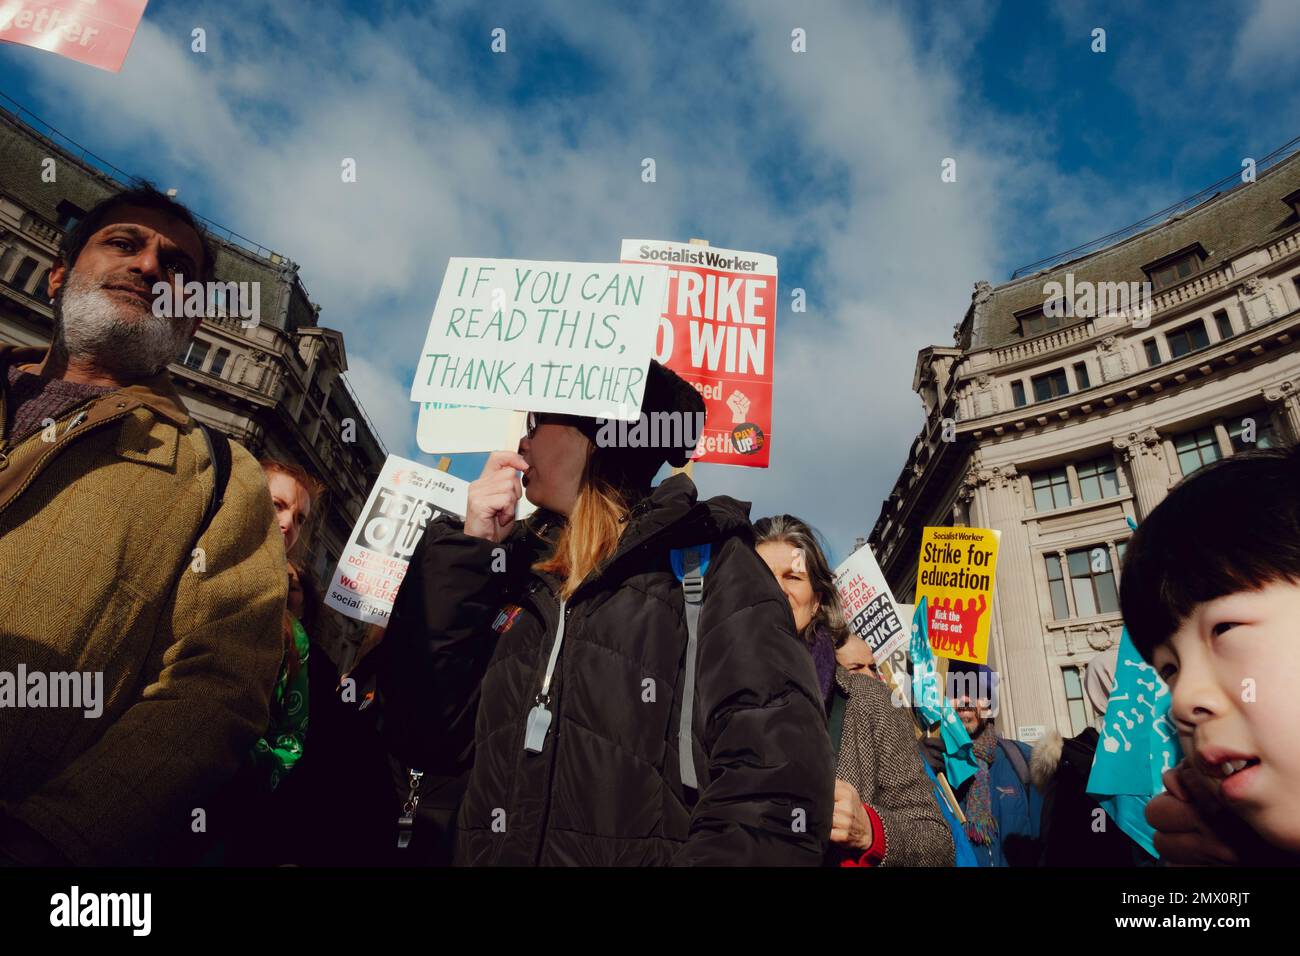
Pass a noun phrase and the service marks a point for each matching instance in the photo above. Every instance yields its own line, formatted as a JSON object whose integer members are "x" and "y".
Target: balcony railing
{"x": 1227, "y": 182}
{"x": 1042, "y": 344}
{"x": 26, "y": 117}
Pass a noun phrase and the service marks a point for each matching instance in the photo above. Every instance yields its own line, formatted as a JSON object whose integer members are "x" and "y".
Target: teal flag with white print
{"x": 1138, "y": 743}
{"x": 933, "y": 704}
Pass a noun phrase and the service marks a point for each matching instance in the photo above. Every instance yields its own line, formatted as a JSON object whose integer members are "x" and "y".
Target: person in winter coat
{"x": 102, "y": 519}
{"x": 333, "y": 810}
{"x": 885, "y": 812}
{"x": 1001, "y": 804}
{"x": 548, "y": 660}
{"x": 1075, "y": 830}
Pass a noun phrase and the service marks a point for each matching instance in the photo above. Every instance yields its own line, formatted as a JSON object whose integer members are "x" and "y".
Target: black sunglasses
{"x": 536, "y": 420}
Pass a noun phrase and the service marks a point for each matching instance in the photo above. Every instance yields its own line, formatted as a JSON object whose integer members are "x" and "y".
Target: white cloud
{"x": 833, "y": 154}
{"x": 1266, "y": 47}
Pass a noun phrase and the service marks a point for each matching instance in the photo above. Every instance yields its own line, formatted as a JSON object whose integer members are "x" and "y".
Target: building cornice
{"x": 1242, "y": 348}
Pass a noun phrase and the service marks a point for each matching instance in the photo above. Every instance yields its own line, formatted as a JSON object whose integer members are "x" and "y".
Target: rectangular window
{"x": 1036, "y": 323}
{"x": 1223, "y": 323}
{"x": 219, "y": 362}
{"x": 1018, "y": 393}
{"x": 1196, "y": 449}
{"x": 24, "y": 273}
{"x": 1175, "y": 270}
{"x": 1049, "y": 386}
{"x": 69, "y": 215}
{"x": 195, "y": 354}
{"x": 1098, "y": 479}
{"x": 1056, "y": 585}
{"x": 1092, "y": 581}
{"x": 1263, "y": 432}
{"x": 1153, "y": 352}
{"x": 1051, "y": 490}
{"x": 1187, "y": 339}
{"x": 1081, "y": 375}
{"x": 1074, "y": 698}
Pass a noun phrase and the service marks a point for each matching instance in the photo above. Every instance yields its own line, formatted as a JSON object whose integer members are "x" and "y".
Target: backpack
{"x": 1018, "y": 763}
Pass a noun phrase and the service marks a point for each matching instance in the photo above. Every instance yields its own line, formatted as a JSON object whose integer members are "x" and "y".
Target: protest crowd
{"x": 584, "y": 667}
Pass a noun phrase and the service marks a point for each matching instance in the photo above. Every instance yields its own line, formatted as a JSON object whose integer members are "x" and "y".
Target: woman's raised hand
{"x": 490, "y": 508}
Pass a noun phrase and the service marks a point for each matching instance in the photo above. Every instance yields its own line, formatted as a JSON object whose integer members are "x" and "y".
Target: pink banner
{"x": 95, "y": 32}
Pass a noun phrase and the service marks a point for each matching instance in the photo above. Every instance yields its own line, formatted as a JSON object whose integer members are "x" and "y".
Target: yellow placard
{"x": 955, "y": 574}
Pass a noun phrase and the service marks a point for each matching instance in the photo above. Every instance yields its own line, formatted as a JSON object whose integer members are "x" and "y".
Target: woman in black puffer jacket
{"x": 542, "y": 665}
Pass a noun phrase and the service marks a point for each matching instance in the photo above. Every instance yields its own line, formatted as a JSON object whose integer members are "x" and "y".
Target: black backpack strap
{"x": 219, "y": 449}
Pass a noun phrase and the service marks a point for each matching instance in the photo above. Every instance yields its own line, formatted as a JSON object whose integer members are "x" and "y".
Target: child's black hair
{"x": 1233, "y": 525}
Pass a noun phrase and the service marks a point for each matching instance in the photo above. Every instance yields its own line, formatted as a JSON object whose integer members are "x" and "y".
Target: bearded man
{"x": 115, "y": 567}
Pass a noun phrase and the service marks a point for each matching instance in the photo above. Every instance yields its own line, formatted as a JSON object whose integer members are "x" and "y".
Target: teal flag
{"x": 933, "y": 705}
{"x": 1138, "y": 743}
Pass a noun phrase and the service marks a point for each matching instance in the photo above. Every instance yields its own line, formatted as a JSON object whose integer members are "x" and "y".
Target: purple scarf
{"x": 822, "y": 649}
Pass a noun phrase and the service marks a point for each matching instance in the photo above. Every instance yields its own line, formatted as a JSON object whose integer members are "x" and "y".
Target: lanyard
{"x": 539, "y": 718}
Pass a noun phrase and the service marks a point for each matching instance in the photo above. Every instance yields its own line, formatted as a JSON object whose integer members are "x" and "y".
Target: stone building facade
{"x": 1057, "y": 428}
{"x": 277, "y": 387}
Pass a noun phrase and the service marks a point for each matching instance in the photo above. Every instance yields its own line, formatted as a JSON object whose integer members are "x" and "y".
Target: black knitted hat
{"x": 628, "y": 454}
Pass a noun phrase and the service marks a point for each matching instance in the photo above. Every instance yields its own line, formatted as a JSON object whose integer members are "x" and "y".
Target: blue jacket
{"x": 1017, "y": 807}
{"x": 963, "y": 849}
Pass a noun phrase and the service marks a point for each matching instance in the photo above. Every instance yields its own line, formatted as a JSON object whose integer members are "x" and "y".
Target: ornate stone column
{"x": 1148, "y": 471}
{"x": 1286, "y": 395}
{"x": 1016, "y": 631}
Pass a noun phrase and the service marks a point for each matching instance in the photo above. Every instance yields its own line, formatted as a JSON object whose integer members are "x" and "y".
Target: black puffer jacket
{"x": 465, "y": 655}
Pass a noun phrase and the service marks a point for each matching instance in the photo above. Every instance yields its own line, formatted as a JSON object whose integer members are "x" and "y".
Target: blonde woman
{"x": 546, "y": 661}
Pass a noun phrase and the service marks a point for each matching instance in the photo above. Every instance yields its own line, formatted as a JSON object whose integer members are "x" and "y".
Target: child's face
{"x": 1234, "y": 669}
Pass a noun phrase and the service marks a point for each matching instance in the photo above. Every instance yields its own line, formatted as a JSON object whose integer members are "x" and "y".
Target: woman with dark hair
{"x": 885, "y": 812}
{"x": 792, "y": 552}
{"x": 597, "y": 716}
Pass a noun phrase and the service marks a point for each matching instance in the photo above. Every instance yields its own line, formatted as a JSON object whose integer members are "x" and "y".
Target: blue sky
{"x": 828, "y": 159}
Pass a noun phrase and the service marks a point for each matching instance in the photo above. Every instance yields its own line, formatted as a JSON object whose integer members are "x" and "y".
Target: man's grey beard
{"x": 94, "y": 326}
